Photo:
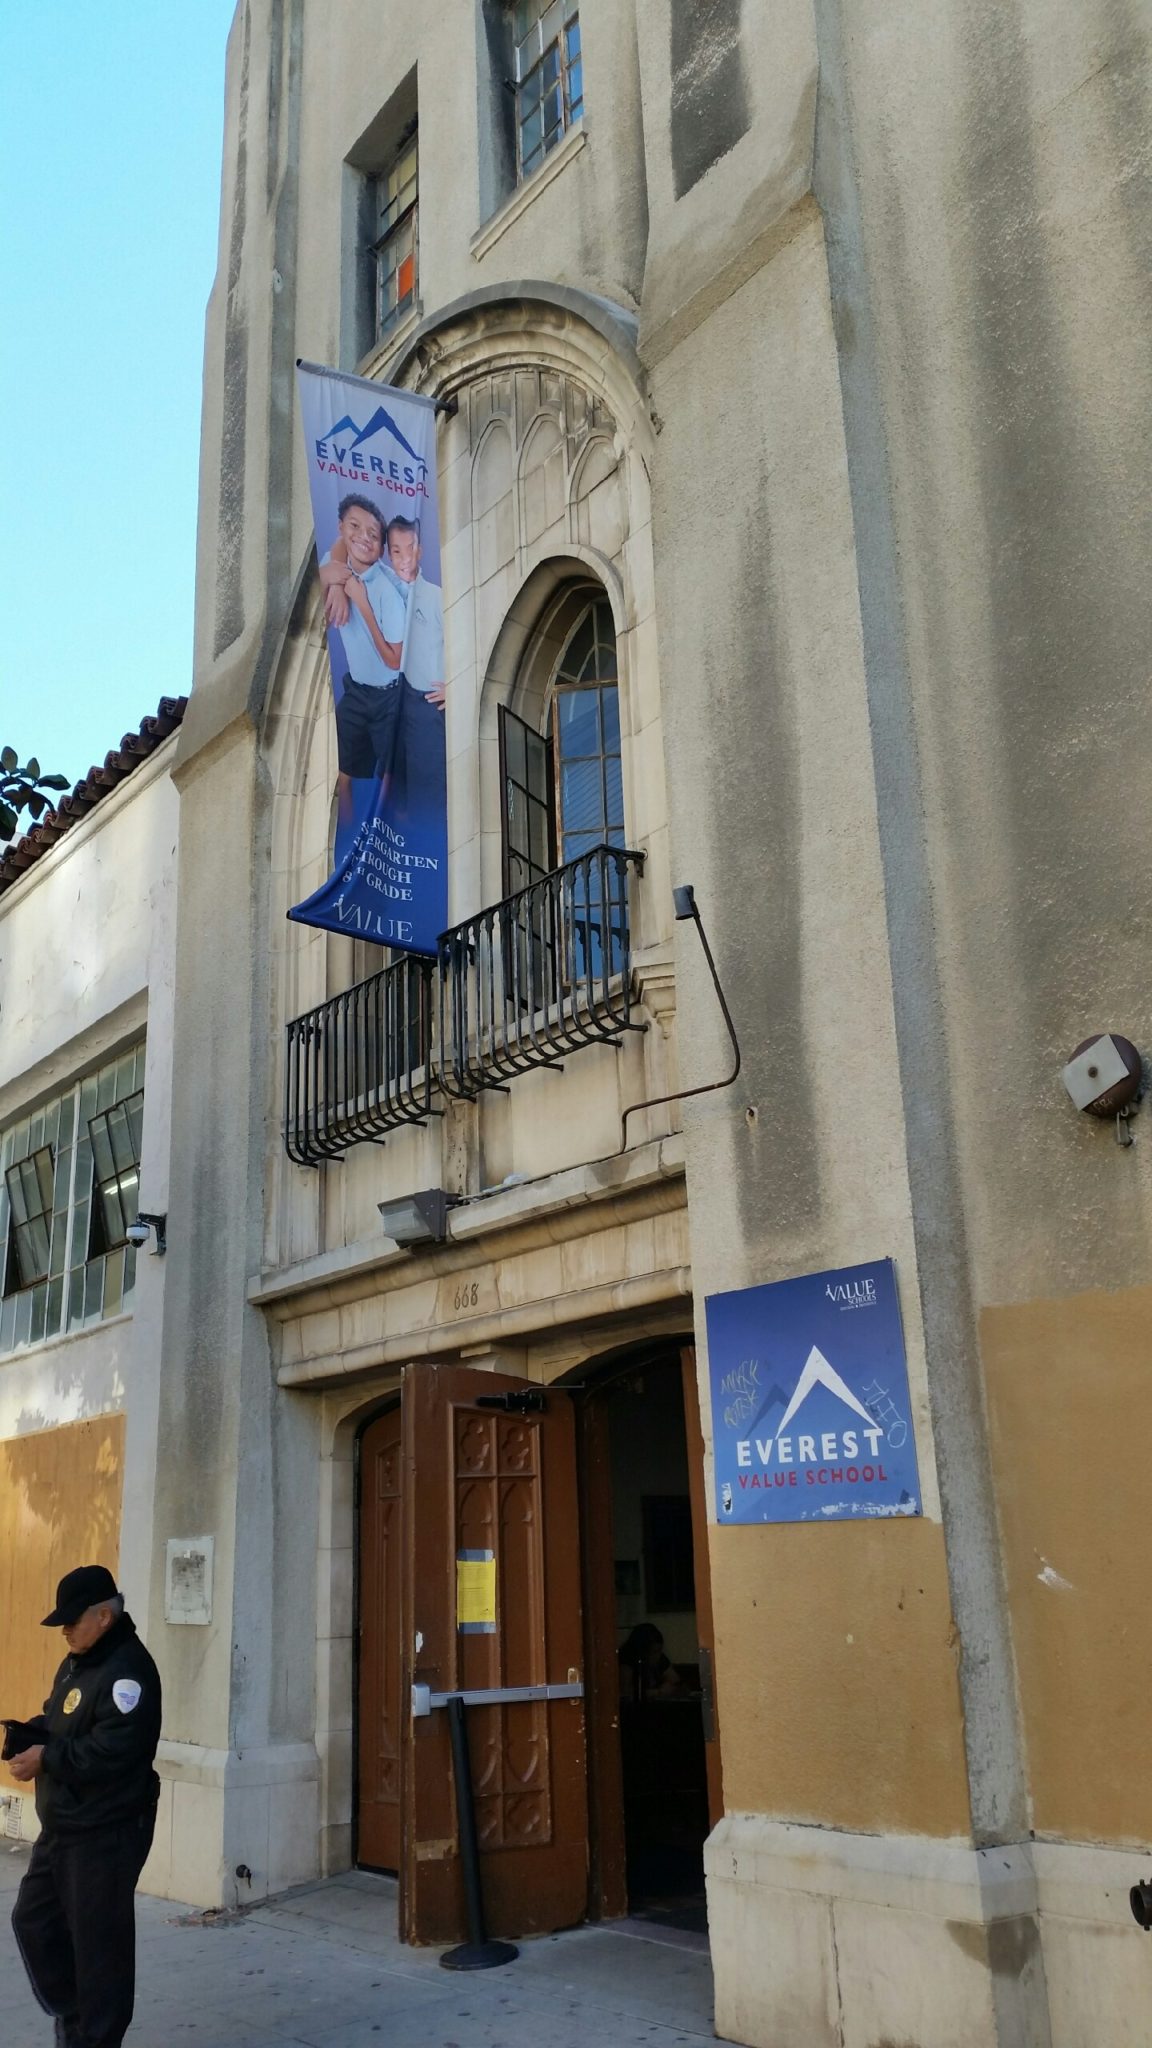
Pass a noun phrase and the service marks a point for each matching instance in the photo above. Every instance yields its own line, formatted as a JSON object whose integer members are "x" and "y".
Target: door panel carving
{"x": 506, "y": 1487}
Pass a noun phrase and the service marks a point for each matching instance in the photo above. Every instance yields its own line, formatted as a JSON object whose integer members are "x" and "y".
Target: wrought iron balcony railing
{"x": 537, "y": 976}
{"x": 358, "y": 1065}
{"x": 523, "y": 984}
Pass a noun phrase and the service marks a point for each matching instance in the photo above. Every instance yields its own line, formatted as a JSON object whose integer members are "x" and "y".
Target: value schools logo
{"x": 798, "y": 1437}
{"x": 338, "y": 453}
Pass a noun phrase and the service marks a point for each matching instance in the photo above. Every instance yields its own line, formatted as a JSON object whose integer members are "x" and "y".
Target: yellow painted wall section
{"x": 60, "y": 1495}
{"x": 1070, "y": 1408}
{"x": 837, "y": 1676}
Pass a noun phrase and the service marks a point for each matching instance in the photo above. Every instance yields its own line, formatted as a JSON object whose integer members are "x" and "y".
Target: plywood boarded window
{"x": 60, "y": 1500}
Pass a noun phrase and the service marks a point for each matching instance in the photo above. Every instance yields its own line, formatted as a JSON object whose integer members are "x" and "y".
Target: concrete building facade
{"x": 798, "y": 355}
{"x": 87, "y": 953}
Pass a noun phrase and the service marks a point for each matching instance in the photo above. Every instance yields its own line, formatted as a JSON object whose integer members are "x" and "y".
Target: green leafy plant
{"x": 22, "y": 789}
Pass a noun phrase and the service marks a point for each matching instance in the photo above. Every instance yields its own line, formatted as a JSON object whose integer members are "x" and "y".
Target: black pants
{"x": 75, "y": 1927}
{"x": 366, "y": 722}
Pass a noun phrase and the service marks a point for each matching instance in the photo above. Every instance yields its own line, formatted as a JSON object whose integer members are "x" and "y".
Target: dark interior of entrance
{"x": 658, "y": 1654}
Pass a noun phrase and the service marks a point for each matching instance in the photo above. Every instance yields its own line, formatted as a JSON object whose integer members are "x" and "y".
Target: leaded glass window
{"x": 548, "y": 77}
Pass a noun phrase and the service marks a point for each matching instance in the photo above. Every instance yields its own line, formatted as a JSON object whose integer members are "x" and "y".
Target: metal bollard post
{"x": 477, "y": 1953}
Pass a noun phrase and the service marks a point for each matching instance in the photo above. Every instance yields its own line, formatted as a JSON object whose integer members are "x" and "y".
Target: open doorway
{"x": 657, "y": 1769}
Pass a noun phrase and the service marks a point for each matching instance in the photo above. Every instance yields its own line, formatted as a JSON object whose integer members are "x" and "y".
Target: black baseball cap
{"x": 77, "y": 1592}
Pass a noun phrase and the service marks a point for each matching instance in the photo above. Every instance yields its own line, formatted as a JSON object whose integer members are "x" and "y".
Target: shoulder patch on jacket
{"x": 126, "y": 1693}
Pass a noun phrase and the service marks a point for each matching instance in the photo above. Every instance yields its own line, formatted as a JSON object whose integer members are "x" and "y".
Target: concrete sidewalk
{"x": 321, "y": 1968}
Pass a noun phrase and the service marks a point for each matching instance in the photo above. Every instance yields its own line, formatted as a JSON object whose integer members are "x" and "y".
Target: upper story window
{"x": 548, "y": 75}
{"x": 397, "y": 238}
{"x": 563, "y": 787}
{"x": 69, "y": 1186}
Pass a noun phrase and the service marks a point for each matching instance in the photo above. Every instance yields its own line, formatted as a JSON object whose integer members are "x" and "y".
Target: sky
{"x": 111, "y": 125}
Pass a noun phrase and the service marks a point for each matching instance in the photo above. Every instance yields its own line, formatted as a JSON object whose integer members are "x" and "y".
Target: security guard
{"x": 90, "y": 1753}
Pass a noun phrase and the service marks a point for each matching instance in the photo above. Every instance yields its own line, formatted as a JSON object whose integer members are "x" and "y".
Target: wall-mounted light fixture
{"x": 137, "y": 1233}
{"x": 1105, "y": 1077}
{"x": 418, "y": 1219}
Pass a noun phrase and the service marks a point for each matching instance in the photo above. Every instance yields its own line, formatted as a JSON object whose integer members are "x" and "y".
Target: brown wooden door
{"x": 702, "y": 1573}
{"x": 498, "y": 1485}
{"x": 380, "y": 1719}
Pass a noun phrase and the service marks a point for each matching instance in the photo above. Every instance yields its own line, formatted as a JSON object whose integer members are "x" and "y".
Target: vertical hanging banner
{"x": 372, "y": 475}
{"x": 811, "y": 1417}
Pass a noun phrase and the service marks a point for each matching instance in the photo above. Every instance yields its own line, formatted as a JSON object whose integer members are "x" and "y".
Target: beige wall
{"x": 836, "y": 1665}
{"x": 1070, "y": 1403}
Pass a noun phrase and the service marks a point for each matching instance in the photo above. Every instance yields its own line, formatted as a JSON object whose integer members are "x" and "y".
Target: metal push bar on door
{"x": 424, "y": 1699}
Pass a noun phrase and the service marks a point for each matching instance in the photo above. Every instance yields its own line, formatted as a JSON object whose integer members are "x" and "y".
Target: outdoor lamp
{"x": 418, "y": 1219}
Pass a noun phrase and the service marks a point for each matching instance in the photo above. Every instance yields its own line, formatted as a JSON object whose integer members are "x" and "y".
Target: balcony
{"x": 523, "y": 984}
{"x": 358, "y": 1065}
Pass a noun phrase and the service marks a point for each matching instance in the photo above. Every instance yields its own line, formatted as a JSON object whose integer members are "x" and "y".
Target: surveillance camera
{"x": 138, "y": 1233}
{"x": 1104, "y": 1075}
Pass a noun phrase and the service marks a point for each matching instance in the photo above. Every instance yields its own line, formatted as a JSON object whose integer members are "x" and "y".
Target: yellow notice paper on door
{"x": 476, "y": 1592}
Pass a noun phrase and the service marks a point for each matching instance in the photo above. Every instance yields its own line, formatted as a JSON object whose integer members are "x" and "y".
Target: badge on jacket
{"x": 125, "y": 1692}
{"x": 72, "y": 1700}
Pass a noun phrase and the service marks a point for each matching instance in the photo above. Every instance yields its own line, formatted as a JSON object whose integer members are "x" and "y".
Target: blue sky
{"x": 111, "y": 121}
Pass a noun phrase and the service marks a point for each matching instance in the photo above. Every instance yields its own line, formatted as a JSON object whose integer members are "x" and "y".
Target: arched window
{"x": 563, "y": 790}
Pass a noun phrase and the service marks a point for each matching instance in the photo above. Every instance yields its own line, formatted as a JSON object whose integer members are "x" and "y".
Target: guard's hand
{"x": 28, "y": 1764}
{"x": 436, "y": 695}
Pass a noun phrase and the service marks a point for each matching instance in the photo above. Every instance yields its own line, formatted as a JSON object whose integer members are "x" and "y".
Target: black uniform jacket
{"x": 100, "y": 1728}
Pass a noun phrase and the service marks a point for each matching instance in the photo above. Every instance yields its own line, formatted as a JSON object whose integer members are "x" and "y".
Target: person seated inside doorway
{"x": 645, "y": 1672}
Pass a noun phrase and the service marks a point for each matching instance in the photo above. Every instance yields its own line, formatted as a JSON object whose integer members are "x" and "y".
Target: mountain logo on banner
{"x": 818, "y": 1373}
{"x": 380, "y": 418}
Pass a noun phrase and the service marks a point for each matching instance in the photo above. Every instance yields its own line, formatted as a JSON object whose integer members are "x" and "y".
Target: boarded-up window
{"x": 60, "y": 1498}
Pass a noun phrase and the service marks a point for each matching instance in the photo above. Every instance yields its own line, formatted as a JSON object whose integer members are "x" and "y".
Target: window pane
{"x": 103, "y": 1162}
{"x": 67, "y": 1119}
{"x": 106, "y": 1088}
{"x": 553, "y": 108}
{"x": 530, "y": 92}
{"x": 119, "y": 1131}
{"x": 538, "y": 769}
{"x": 135, "y": 1109}
{"x": 579, "y": 721}
{"x": 113, "y": 1283}
{"x": 93, "y": 1288}
{"x": 576, "y": 843}
{"x": 550, "y": 68}
{"x": 125, "y": 1076}
{"x": 76, "y": 1295}
{"x": 538, "y": 824}
{"x": 578, "y": 649}
{"x": 514, "y": 748}
{"x": 610, "y": 712}
{"x": 531, "y": 134}
{"x": 8, "y": 1322}
{"x": 55, "y": 1308}
{"x": 552, "y": 22}
{"x": 614, "y": 786}
{"x": 576, "y": 91}
{"x": 580, "y": 796}
{"x": 23, "y": 1317}
{"x": 39, "y": 1315}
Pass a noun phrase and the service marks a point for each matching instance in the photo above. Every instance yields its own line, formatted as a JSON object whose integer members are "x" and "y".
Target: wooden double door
{"x": 471, "y": 1570}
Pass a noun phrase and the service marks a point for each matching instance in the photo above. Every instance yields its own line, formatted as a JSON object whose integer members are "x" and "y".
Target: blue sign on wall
{"x": 811, "y": 1419}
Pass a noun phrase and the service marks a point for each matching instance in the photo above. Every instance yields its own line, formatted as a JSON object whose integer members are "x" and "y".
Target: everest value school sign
{"x": 371, "y": 453}
{"x": 811, "y": 1418}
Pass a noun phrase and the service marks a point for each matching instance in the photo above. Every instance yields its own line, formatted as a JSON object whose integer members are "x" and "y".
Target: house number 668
{"x": 467, "y": 1295}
